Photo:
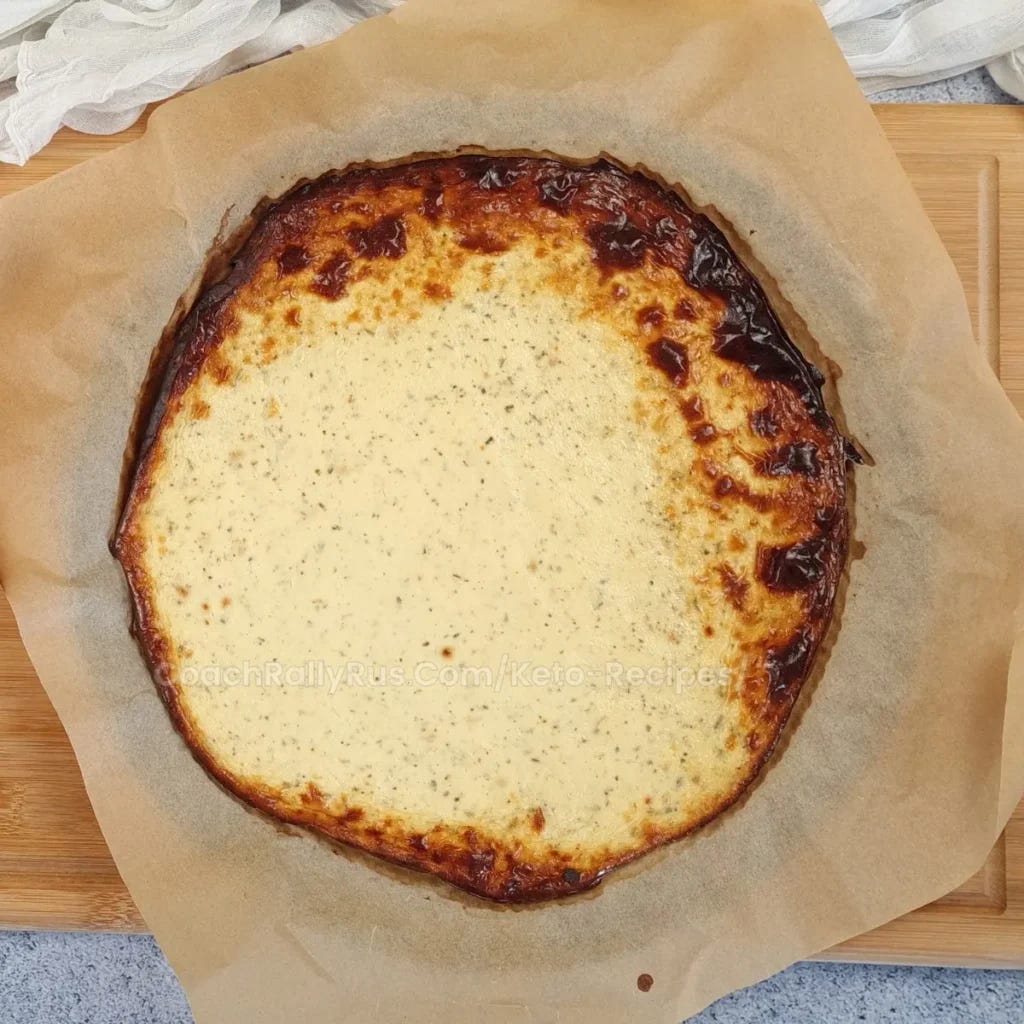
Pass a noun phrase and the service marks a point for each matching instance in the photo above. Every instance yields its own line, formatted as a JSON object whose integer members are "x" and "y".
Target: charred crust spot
{"x": 331, "y": 279}
{"x": 537, "y": 819}
{"x": 786, "y": 665}
{"x": 447, "y": 652}
{"x": 571, "y": 876}
{"x": 749, "y": 332}
{"x": 498, "y": 175}
{"x": 619, "y": 291}
{"x": 665, "y": 230}
{"x": 385, "y": 237}
{"x": 826, "y": 516}
{"x": 724, "y": 485}
{"x": 650, "y": 316}
{"x": 712, "y": 263}
{"x": 351, "y": 815}
{"x": 203, "y": 328}
{"x": 558, "y": 192}
{"x": 617, "y": 244}
{"x": 200, "y": 409}
{"x": 418, "y": 842}
{"x": 432, "y": 202}
{"x": 291, "y": 259}
{"x": 734, "y": 586}
{"x": 763, "y": 422}
{"x": 692, "y": 408}
{"x": 291, "y": 316}
{"x": 684, "y": 310}
{"x": 703, "y": 433}
{"x": 791, "y": 568}
{"x": 482, "y": 241}
{"x": 671, "y": 358}
{"x": 479, "y": 864}
{"x": 798, "y": 457}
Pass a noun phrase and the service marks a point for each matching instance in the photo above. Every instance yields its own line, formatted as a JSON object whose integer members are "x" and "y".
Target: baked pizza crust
{"x": 461, "y": 414}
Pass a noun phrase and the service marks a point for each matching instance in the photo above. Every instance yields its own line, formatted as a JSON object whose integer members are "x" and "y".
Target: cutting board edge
{"x": 1004, "y": 126}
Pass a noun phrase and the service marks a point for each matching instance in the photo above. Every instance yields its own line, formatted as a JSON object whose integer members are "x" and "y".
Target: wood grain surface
{"x": 967, "y": 164}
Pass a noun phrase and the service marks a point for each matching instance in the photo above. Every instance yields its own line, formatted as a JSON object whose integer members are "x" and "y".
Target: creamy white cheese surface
{"x": 440, "y": 563}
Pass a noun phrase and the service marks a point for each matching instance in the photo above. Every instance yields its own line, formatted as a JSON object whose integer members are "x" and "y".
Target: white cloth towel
{"x": 889, "y": 44}
{"x": 94, "y": 64}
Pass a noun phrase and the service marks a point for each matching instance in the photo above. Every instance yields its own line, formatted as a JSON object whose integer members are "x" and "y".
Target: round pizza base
{"x": 469, "y": 535}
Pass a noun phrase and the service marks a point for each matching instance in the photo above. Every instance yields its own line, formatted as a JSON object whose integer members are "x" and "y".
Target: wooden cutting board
{"x": 968, "y": 166}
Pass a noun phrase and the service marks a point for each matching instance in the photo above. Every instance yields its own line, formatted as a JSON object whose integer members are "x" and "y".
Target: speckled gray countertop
{"x": 50, "y": 978}
{"x": 972, "y": 87}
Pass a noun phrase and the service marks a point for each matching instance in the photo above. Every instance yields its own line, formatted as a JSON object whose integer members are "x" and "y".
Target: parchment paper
{"x": 904, "y": 760}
